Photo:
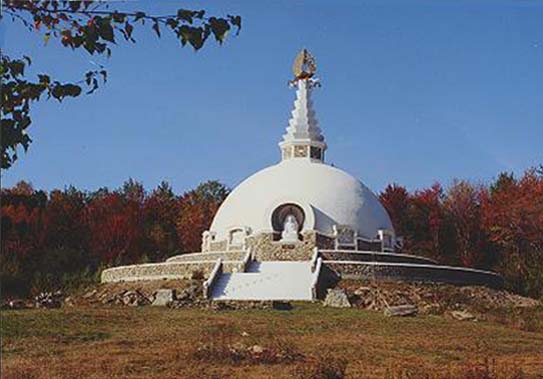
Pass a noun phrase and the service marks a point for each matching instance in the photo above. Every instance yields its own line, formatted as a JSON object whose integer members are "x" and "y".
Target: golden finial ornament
{"x": 304, "y": 65}
{"x": 304, "y": 68}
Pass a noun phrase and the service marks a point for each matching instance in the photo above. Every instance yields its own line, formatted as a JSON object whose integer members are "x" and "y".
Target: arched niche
{"x": 280, "y": 214}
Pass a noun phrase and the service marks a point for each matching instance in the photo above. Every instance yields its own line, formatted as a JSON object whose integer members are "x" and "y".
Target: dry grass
{"x": 307, "y": 342}
{"x": 487, "y": 369}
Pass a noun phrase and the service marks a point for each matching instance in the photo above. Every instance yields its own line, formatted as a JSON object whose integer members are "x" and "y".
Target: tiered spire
{"x": 303, "y": 138}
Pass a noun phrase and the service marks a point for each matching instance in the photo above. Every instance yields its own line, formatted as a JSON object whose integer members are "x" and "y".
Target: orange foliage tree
{"x": 462, "y": 208}
{"x": 513, "y": 221}
{"x": 160, "y": 211}
{"x": 196, "y": 211}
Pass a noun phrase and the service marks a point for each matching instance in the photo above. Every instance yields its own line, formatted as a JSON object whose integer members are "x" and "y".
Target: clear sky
{"x": 413, "y": 92}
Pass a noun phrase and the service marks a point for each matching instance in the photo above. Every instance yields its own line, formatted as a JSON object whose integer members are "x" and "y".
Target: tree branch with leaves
{"x": 91, "y": 26}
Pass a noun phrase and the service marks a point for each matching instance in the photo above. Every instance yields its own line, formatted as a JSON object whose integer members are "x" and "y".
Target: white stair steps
{"x": 266, "y": 281}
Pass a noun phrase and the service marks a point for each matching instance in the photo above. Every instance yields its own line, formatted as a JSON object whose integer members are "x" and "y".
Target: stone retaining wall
{"x": 414, "y": 273}
{"x": 324, "y": 241}
{"x": 217, "y": 246}
{"x": 166, "y": 270}
{"x": 266, "y": 249}
{"x": 225, "y": 255}
{"x": 370, "y": 256}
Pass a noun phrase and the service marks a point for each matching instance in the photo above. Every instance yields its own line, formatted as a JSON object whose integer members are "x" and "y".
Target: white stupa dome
{"x": 320, "y": 197}
{"x": 327, "y": 195}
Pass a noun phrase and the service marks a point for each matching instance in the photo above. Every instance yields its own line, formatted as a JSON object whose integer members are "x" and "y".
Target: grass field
{"x": 307, "y": 342}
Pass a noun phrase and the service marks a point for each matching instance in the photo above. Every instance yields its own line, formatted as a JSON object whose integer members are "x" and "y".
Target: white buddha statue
{"x": 290, "y": 229}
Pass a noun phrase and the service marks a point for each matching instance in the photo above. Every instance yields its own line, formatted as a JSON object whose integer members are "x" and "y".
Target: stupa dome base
{"x": 237, "y": 274}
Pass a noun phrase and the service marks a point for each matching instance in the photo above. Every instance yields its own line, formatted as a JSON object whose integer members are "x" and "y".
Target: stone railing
{"x": 373, "y": 256}
{"x": 316, "y": 279}
{"x": 410, "y": 272}
{"x": 153, "y": 271}
{"x": 215, "y": 274}
{"x": 164, "y": 270}
{"x": 233, "y": 255}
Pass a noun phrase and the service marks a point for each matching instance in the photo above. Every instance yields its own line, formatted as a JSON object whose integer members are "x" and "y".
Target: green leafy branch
{"x": 78, "y": 24}
{"x": 92, "y": 26}
{"x": 17, "y": 95}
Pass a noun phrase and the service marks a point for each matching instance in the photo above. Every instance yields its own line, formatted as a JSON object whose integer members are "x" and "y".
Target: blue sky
{"x": 413, "y": 92}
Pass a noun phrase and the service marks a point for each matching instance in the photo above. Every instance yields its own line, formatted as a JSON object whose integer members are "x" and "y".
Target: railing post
{"x": 314, "y": 258}
{"x": 210, "y": 282}
{"x": 247, "y": 260}
{"x": 316, "y": 277}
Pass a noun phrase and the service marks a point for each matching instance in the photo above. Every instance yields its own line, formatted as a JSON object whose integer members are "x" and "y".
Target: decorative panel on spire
{"x": 303, "y": 138}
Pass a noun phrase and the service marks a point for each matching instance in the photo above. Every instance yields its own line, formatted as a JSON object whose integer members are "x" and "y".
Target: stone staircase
{"x": 270, "y": 280}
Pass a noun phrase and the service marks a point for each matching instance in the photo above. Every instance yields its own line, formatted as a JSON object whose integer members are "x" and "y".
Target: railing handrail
{"x": 379, "y": 253}
{"x": 314, "y": 258}
{"x": 316, "y": 275}
{"x": 208, "y": 284}
{"x": 202, "y": 254}
{"x": 415, "y": 265}
{"x": 247, "y": 259}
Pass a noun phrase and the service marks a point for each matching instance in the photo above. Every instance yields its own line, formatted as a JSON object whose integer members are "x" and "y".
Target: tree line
{"x": 64, "y": 238}
{"x": 497, "y": 226}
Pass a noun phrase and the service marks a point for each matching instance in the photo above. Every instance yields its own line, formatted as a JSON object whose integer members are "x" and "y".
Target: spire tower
{"x": 303, "y": 138}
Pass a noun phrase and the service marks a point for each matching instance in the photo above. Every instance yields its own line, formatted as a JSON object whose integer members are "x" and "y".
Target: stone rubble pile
{"x": 432, "y": 298}
{"x": 394, "y": 299}
{"x": 132, "y": 298}
{"x": 166, "y": 293}
{"x": 336, "y": 298}
{"x": 171, "y": 294}
{"x": 49, "y": 300}
{"x": 401, "y": 310}
{"x": 462, "y": 315}
{"x": 163, "y": 297}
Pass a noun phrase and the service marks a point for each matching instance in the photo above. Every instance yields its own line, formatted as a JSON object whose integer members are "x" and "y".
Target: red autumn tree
{"x": 65, "y": 220}
{"x": 513, "y": 220}
{"x": 462, "y": 207}
{"x": 23, "y": 211}
{"x": 115, "y": 224}
{"x": 22, "y": 223}
{"x": 395, "y": 199}
{"x": 196, "y": 211}
{"x": 160, "y": 212}
{"x": 425, "y": 217}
